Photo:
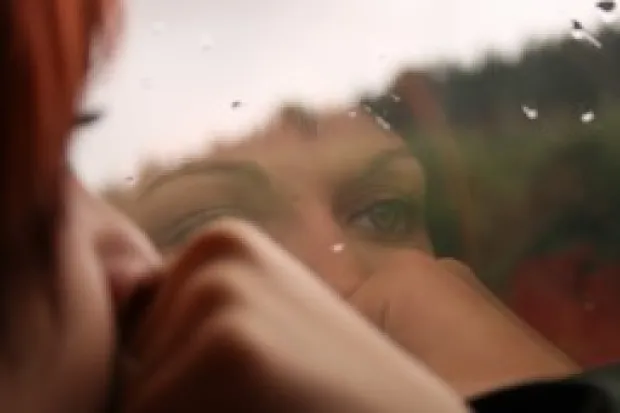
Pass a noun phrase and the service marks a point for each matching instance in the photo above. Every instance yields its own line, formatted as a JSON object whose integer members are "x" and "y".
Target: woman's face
{"x": 339, "y": 192}
{"x": 68, "y": 350}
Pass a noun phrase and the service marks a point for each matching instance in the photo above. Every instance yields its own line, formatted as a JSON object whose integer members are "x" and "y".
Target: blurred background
{"x": 510, "y": 109}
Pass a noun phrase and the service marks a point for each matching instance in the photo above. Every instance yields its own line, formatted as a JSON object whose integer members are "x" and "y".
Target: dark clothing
{"x": 597, "y": 391}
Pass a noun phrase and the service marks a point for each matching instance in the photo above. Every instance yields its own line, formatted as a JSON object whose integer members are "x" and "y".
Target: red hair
{"x": 44, "y": 53}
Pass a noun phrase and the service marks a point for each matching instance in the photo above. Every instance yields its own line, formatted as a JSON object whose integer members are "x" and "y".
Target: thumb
{"x": 392, "y": 289}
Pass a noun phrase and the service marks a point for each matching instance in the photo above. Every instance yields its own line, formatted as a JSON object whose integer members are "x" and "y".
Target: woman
{"x": 349, "y": 199}
{"x": 412, "y": 109}
{"x": 64, "y": 253}
{"x": 245, "y": 309}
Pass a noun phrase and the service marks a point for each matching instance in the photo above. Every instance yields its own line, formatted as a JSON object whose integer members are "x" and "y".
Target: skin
{"x": 61, "y": 322}
{"x": 355, "y": 217}
{"x": 242, "y": 326}
{"x": 67, "y": 355}
{"x": 58, "y": 349}
{"x": 369, "y": 199}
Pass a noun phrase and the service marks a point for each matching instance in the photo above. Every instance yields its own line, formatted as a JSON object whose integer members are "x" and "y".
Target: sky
{"x": 179, "y": 65}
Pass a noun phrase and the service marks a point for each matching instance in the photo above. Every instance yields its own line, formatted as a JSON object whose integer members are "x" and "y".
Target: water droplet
{"x": 594, "y": 41}
{"x": 383, "y": 123}
{"x": 606, "y": 5}
{"x": 236, "y": 104}
{"x": 530, "y": 113}
{"x": 367, "y": 108}
{"x": 352, "y": 114}
{"x": 396, "y": 98}
{"x": 588, "y": 117}
{"x": 579, "y": 33}
{"x": 606, "y": 11}
{"x": 338, "y": 248}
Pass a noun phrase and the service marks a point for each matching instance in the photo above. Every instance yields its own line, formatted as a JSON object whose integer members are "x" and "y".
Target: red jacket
{"x": 577, "y": 310}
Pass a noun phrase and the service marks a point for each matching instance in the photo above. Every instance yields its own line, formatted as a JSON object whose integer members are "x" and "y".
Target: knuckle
{"x": 208, "y": 291}
{"x": 229, "y": 341}
{"x": 222, "y": 241}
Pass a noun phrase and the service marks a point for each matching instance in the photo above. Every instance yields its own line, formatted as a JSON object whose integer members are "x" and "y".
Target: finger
{"x": 459, "y": 269}
{"x": 376, "y": 297}
{"x": 213, "y": 370}
{"x": 215, "y": 289}
{"x": 202, "y": 298}
{"x": 208, "y": 249}
{"x": 278, "y": 267}
{"x": 465, "y": 274}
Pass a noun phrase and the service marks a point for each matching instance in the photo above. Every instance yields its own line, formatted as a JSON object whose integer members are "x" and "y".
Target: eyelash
{"x": 406, "y": 207}
{"x": 185, "y": 227}
{"x": 407, "y": 210}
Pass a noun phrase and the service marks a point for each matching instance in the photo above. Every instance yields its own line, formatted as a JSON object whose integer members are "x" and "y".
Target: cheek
{"x": 342, "y": 257}
{"x": 392, "y": 262}
{"x": 378, "y": 257}
{"x": 87, "y": 319}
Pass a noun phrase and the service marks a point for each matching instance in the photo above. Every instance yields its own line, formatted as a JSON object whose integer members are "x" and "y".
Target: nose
{"x": 125, "y": 256}
{"x": 320, "y": 243}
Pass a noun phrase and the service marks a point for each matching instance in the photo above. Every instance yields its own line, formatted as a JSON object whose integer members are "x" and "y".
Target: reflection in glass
{"x": 505, "y": 162}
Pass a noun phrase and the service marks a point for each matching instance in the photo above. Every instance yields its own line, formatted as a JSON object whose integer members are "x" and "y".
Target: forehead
{"x": 340, "y": 134}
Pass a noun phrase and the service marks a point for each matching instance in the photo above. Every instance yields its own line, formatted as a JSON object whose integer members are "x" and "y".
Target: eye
{"x": 390, "y": 219}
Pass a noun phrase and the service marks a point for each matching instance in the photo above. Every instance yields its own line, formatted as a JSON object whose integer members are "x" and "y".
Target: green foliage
{"x": 536, "y": 184}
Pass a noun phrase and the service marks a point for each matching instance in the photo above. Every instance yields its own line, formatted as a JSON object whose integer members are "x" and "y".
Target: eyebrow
{"x": 244, "y": 170}
{"x": 384, "y": 159}
{"x": 250, "y": 171}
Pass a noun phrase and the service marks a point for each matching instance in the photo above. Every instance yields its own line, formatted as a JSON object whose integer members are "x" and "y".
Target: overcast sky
{"x": 181, "y": 63}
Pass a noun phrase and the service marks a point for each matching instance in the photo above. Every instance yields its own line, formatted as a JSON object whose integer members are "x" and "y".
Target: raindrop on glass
{"x": 337, "y": 248}
{"x": 530, "y": 113}
{"x": 383, "y": 123}
{"x": 236, "y": 104}
{"x": 607, "y": 9}
{"x": 368, "y": 109}
{"x": 594, "y": 41}
{"x": 578, "y": 29}
{"x": 588, "y": 117}
{"x": 395, "y": 98}
{"x": 606, "y": 6}
{"x": 579, "y": 33}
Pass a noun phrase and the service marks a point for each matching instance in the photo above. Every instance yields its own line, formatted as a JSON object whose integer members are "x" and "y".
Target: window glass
{"x": 358, "y": 132}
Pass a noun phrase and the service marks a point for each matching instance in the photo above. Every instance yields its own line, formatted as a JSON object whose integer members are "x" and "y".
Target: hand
{"x": 240, "y": 326}
{"x": 443, "y": 315}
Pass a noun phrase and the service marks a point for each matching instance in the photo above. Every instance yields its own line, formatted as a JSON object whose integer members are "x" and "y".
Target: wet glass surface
{"x": 358, "y": 132}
